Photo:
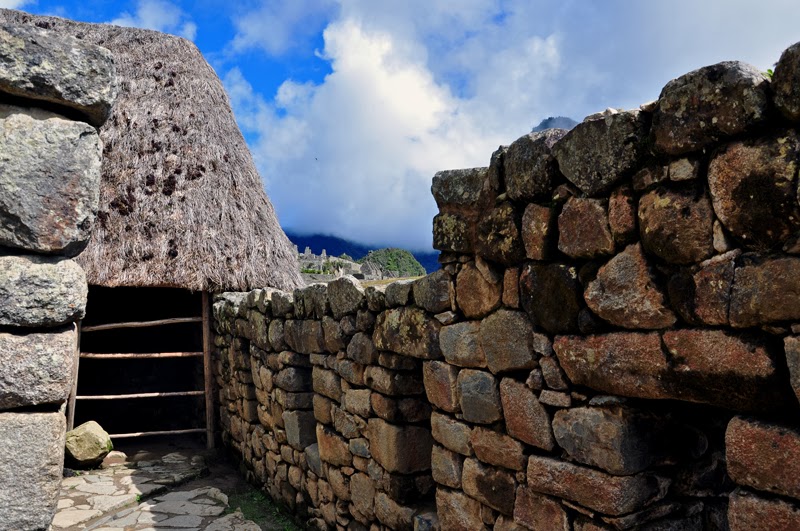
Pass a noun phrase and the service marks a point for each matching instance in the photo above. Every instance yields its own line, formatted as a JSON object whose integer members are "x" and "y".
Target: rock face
{"x": 55, "y": 68}
{"x": 36, "y": 368}
{"x": 754, "y": 189}
{"x": 600, "y": 151}
{"x": 88, "y": 444}
{"x": 30, "y": 480}
{"x": 708, "y": 104}
{"x": 49, "y": 189}
{"x": 530, "y": 168}
{"x": 41, "y": 291}
{"x": 625, "y": 293}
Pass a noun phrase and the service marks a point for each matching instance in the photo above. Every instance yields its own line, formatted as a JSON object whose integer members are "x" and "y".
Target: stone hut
{"x": 182, "y": 213}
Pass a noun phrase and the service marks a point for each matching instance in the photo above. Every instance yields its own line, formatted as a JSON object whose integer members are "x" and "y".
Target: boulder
{"x": 698, "y": 109}
{"x": 753, "y": 186}
{"x": 600, "y": 151}
{"x": 51, "y": 67}
{"x": 88, "y": 444}
{"x": 49, "y": 181}
{"x": 31, "y": 462}
{"x": 530, "y": 169}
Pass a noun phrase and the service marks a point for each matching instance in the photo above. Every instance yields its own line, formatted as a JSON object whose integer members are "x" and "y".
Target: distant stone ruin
{"x": 324, "y": 268}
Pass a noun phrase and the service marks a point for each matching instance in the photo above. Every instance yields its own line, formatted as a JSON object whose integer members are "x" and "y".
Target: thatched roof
{"x": 181, "y": 202}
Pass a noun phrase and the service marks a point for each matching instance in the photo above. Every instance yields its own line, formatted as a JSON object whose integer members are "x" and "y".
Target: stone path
{"x": 110, "y": 498}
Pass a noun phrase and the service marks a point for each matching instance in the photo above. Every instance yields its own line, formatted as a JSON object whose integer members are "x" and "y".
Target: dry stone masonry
{"x": 54, "y": 91}
{"x": 612, "y": 343}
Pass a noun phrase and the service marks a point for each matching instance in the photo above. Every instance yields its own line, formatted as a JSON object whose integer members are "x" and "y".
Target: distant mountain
{"x": 395, "y": 260}
{"x": 337, "y": 246}
{"x": 558, "y": 122}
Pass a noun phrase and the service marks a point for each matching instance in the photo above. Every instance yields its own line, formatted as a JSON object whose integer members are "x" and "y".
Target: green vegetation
{"x": 395, "y": 260}
{"x": 256, "y": 506}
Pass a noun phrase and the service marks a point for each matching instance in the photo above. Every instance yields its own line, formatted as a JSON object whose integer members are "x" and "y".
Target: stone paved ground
{"x": 146, "y": 492}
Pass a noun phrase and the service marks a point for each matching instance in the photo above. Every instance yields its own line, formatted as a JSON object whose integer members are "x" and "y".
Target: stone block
{"x": 600, "y": 151}
{"x": 618, "y": 439}
{"x": 293, "y": 379}
{"x": 703, "y": 296}
{"x": 362, "y": 350}
{"x": 276, "y": 335}
{"x": 400, "y": 410}
{"x": 476, "y": 295}
{"x": 362, "y": 490}
{"x": 506, "y": 338}
{"x": 441, "y": 387}
{"x": 536, "y": 511}
{"x": 357, "y": 402}
{"x": 749, "y": 512}
{"x": 530, "y": 169}
{"x": 327, "y": 383}
{"x": 351, "y": 371}
{"x": 763, "y": 456}
{"x": 446, "y": 467}
{"x": 54, "y": 68}
{"x": 432, "y": 292}
{"x": 348, "y": 425}
{"x": 304, "y": 336}
{"x": 333, "y": 448}
{"x": 625, "y": 293}
{"x": 497, "y": 449}
{"x": 595, "y": 490}
{"x": 511, "y": 287}
{"x": 526, "y": 419}
{"x": 451, "y": 433}
{"x": 539, "y": 231}
{"x": 461, "y": 188}
{"x": 765, "y": 291}
{"x": 791, "y": 347}
{"x": 479, "y": 396}
{"x": 498, "y": 235}
{"x": 346, "y": 296}
{"x": 753, "y": 186}
{"x": 49, "y": 180}
{"x": 454, "y": 233}
{"x": 393, "y": 383}
{"x": 785, "y": 82}
{"x": 392, "y": 514}
{"x": 706, "y": 105}
{"x": 458, "y": 511}
{"x": 31, "y": 461}
{"x": 489, "y": 485}
{"x": 332, "y": 332}
{"x": 408, "y": 331}
{"x": 622, "y": 215}
{"x": 376, "y": 298}
{"x": 677, "y": 224}
{"x": 300, "y": 428}
{"x": 583, "y": 230}
{"x": 401, "y": 449}
{"x": 36, "y": 368}
{"x": 460, "y": 344}
{"x": 552, "y": 296}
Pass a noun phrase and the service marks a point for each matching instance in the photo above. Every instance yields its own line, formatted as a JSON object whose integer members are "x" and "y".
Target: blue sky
{"x": 351, "y": 106}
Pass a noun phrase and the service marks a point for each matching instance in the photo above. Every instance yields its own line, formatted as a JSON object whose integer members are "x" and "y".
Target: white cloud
{"x": 418, "y": 86}
{"x": 159, "y": 15}
{"x": 276, "y": 27}
{"x": 13, "y": 4}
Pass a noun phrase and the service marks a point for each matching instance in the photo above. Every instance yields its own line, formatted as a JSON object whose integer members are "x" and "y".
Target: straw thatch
{"x": 181, "y": 202}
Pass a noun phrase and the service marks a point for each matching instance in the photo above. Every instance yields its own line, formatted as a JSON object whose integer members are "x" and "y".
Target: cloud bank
{"x": 419, "y": 86}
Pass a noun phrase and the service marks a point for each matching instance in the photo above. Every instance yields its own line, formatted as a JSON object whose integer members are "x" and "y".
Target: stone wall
{"x": 54, "y": 92}
{"x": 613, "y": 341}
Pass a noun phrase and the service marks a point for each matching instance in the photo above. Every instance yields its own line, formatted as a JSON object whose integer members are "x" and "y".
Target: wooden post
{"x": 207, "y": 373}
{"x": 74, "y": 389}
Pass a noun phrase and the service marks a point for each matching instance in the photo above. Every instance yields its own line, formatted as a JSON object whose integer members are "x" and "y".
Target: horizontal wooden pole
{"x": 142, "y": 355}
{"x": 146, "y": 433}
{"x": 142, "y": 324}
{"x": 140, "y": 395}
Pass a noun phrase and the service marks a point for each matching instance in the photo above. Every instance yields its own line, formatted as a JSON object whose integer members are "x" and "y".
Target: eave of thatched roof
{"x": 181, "y": 202}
